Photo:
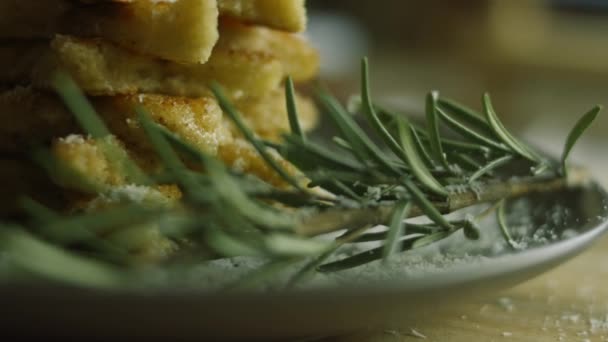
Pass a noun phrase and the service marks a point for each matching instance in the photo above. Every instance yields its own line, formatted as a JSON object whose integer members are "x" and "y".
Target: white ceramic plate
{"x": 176, "y": 313}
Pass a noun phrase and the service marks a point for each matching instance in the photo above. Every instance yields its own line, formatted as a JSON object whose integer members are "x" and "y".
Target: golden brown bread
{"x": 242, "y": 157}
{"x": 183, "y": 31}
{"x": 151, "y": 53}
{"x": 299, "y": 59}
{"x": 288, "y": 15}
{"x": 198, "y": 121}
{"x": 84, "y": 156}
{"x": 267, "y": 115}
{"x": 101, "y": 68}
{"x": 21, "y": 178}
{"x": 29, "y": 117}
{"x": 248, "y": 60}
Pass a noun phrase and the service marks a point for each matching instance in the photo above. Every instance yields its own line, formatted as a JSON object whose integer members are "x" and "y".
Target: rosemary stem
{"x": 337, "y": 219}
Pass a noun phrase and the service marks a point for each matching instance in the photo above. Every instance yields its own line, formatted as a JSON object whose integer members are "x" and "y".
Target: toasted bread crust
{"x": 84, "y": 156}
{"x": 198, "y": 121}
{"x": 184, "y": 31}
{"x": 267, "y": 115}
{"x": 30, "y": 117}
{"x": 288, "y": 15}
{"x": 101, "y": 68}
{"x": 242, "y": 157}
{"x": 299, "y": 59}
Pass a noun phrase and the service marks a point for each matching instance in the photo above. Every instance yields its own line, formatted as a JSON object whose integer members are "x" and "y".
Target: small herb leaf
{"x": 433, "y": 129}
{"x": 396, "y": 228}
{"x": 466, "y": 115}
{"x": 363, "y": 147}
{"x": 469, "y": 133}
{"x": 502, "y": 222}
{"x": 370, "y": 112}
{"x": 429, "y": 239}
{"x": 426, "y": 206}
{"x": 292, "y": 110}
{"x": 581, "y": 125}
{"x": 493, "y": 165}
{"x": 502, "y": 133}
{"x": 419, "y": 169}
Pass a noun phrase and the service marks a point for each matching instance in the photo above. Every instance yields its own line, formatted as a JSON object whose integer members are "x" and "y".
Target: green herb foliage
{"x": 402, "y": 170}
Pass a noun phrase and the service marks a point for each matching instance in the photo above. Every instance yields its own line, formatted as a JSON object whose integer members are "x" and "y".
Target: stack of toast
{"x": 162, "y": 55}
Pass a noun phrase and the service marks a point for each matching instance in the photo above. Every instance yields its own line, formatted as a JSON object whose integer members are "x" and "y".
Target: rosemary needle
{"x": 501, "y": 132}
{"x": 292, "y": 110}
{"x": 235, "y": 116}
{"x": 433, "y": 129}
{"x": 490, "y": 167}
{"x": 582, "y": 124}
{"x": 502, "y": 222}
{"x": 396, "y": 226}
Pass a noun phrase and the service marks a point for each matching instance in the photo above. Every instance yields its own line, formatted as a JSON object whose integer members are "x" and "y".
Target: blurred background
{"x": 545, "y": 62}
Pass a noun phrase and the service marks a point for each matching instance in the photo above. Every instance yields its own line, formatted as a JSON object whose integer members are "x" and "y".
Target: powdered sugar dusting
{"x": 532, "y": 223}
{"x": 73, "y": 139}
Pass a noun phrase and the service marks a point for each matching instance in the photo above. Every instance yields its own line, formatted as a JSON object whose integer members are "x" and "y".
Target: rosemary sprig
{"x": 366, "y": 151}
{"x": 226, "y": 214}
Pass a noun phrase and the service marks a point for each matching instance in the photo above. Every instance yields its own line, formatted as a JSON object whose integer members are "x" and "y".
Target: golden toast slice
{"x": 21, "y": 178}
{"x": 86, "y": 157}
{"x": 287, "y": 15}
{"x": 101, "y": 68}
{"x": 83, "y": 155}
{"x": 198, "y": 121}
{"x": 31, "y": 117}
{"x": 299, "y": 59}
{"x": 267, "y": 115}
{"x": 184, "y": 31}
